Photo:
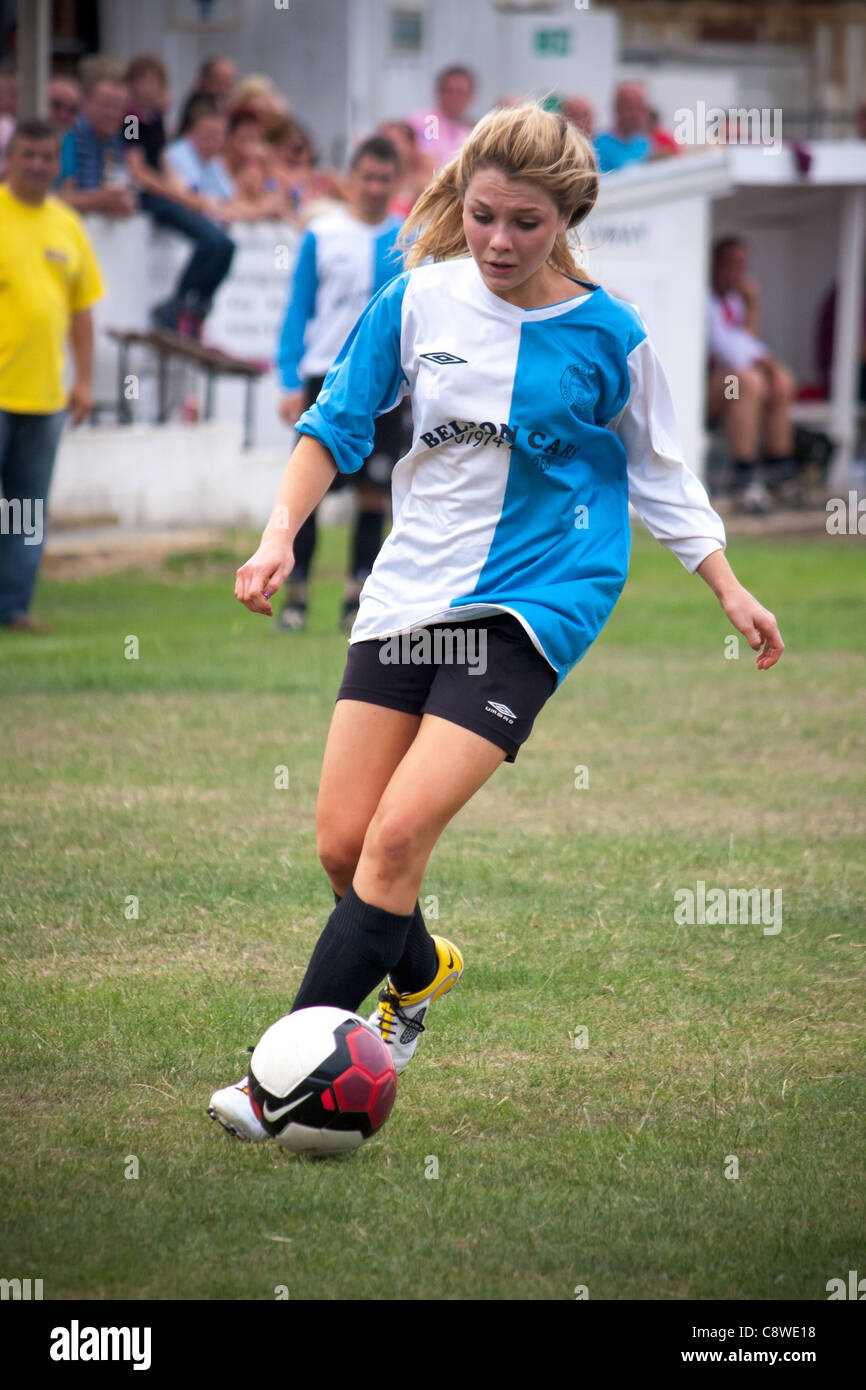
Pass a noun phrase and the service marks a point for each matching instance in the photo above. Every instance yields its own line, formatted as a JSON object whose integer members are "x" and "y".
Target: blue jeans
{"x": 212, "y": 247}
{"x": 28, "y": 446}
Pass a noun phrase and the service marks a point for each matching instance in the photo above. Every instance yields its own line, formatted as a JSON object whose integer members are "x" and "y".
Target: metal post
{"x": 248, "y": 413}
{"x": 162, "y": 387}
{"x": 122, "y": 362}
{"x": 34, "y": 48}
{"x": 846, "y": 332}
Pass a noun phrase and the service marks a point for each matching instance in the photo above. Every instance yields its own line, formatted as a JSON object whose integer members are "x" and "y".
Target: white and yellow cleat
{"x": 233, "y": 1107}
{"x": 400, "y": 1017}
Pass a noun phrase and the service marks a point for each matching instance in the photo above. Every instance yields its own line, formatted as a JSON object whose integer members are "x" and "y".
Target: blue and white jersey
{"x": 533, "y": 428}
{"x": 341, "y": 264}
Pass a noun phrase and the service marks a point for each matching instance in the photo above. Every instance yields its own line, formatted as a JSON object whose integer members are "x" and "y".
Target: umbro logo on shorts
{"x": 494, "y": 707}
{"x": 442, "y": 359}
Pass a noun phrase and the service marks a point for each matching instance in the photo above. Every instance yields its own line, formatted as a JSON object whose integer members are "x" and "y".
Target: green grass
{"x": 558, "y": 1165}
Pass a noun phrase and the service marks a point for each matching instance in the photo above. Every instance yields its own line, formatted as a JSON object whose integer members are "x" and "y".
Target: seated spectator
{"x": 148, "y": 99}
{"x": 663, "y": 142}
{"x": 578, "y": 111}
{"x": 416, "y": 166}
{"x": 164, "y": 197}
{"x": 748, "y": 388}
{"x": 247, "y": 159}
{"x": 441, "y": 131}
{"x": 216, "y": 78}
{"x": 286, "y": 143}
{"x": 260, "y": 95}
{"x": 93, "y": 175}
{"x": 64, "y": 103}
{"x": 629, "y": 140}
{"x": 195, "y": 157}
{"x": 199, "y": 160}
{"x": 294, "y": 165}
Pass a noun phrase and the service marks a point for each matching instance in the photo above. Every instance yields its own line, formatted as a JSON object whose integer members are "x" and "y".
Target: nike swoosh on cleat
{"x": 276, "y": 1114}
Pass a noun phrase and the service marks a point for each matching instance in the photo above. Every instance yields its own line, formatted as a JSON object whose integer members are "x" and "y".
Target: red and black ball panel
{"x": 354, "y": 1088}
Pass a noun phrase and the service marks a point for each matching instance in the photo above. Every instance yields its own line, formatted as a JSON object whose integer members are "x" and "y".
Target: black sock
{"x": 780, "y": 467}
{"x": 303, "y": 547}
{"x": 359, "y": 945}
{"x": 419, "y": 962}
{"x": 367, "y": 542}
{"x": 744, "y": 470}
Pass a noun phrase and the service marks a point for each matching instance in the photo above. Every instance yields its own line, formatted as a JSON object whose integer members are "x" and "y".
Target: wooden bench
{"x": 211, "y": 361}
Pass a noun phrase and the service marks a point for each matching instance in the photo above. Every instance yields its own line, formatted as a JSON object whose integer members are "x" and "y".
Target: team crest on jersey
{"x": 577, "y": 386}
{"x": 442, "y": 359}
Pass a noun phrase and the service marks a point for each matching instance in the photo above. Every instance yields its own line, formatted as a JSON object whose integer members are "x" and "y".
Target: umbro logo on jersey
{"x": 494, "y": 707}
{"x": 442, "y": 359}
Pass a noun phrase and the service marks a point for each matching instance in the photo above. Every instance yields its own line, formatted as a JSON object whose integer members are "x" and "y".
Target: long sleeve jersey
{"x": 341, "y": 263}
{"x": 533, "y": 428}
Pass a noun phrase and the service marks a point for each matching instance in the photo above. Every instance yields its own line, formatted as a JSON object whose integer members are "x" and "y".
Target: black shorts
{"x": 392, "y": 439}
{"x": 487, "y": 676}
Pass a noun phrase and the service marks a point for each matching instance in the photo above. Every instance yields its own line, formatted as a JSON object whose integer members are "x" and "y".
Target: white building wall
{"x": 303, "y": 48}
{"x": 498, "y": 46}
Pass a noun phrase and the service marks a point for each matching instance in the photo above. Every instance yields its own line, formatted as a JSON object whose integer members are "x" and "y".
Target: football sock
{"x": 358, "y": 946}
{"x": 366, "y": 542}
{"x": 780, "y": 467}
{"x": 745, "y": 471}
{"x": 419, "y": 962}
{"x": 303, "y": 547}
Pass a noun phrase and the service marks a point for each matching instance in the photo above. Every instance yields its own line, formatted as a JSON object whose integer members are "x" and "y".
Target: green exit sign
{"x": 553, "y": 43}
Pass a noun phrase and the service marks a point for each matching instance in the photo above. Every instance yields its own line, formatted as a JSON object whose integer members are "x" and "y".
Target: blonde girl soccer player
{"x": 540, "y": 409}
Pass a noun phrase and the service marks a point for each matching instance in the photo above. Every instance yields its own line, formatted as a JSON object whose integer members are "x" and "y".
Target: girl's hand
{"x": 263, "y": 574}
{"x": 757, "y": 625}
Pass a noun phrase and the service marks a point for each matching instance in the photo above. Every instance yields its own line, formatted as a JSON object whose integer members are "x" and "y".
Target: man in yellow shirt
{"x": 49, "y": 278}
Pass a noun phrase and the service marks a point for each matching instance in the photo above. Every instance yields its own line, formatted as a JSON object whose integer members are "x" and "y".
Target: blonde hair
{"x": 522, "y": 142}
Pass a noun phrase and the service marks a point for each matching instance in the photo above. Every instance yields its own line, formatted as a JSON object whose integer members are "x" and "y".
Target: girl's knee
{"x": 338, "y": 856}
{"x": 395, "y": 843}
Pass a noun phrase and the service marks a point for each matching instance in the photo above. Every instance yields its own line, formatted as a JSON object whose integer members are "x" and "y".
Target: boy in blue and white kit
{"x": 344, "y": 258}
{"x": 540, "y": 408}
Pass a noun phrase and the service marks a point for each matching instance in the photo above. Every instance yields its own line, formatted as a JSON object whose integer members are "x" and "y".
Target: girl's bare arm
{"x": 748, "y": 616}
{"x": 309, "y": 473}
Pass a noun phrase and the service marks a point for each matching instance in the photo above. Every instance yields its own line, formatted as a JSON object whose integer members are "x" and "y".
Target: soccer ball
{"x": 322, "y": 1081}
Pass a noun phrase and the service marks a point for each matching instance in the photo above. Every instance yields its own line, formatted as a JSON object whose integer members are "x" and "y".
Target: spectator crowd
{"x": 237, "y": 152}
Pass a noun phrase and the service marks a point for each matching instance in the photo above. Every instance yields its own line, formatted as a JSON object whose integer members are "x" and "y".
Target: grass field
{"x": 558, "y": 1165}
